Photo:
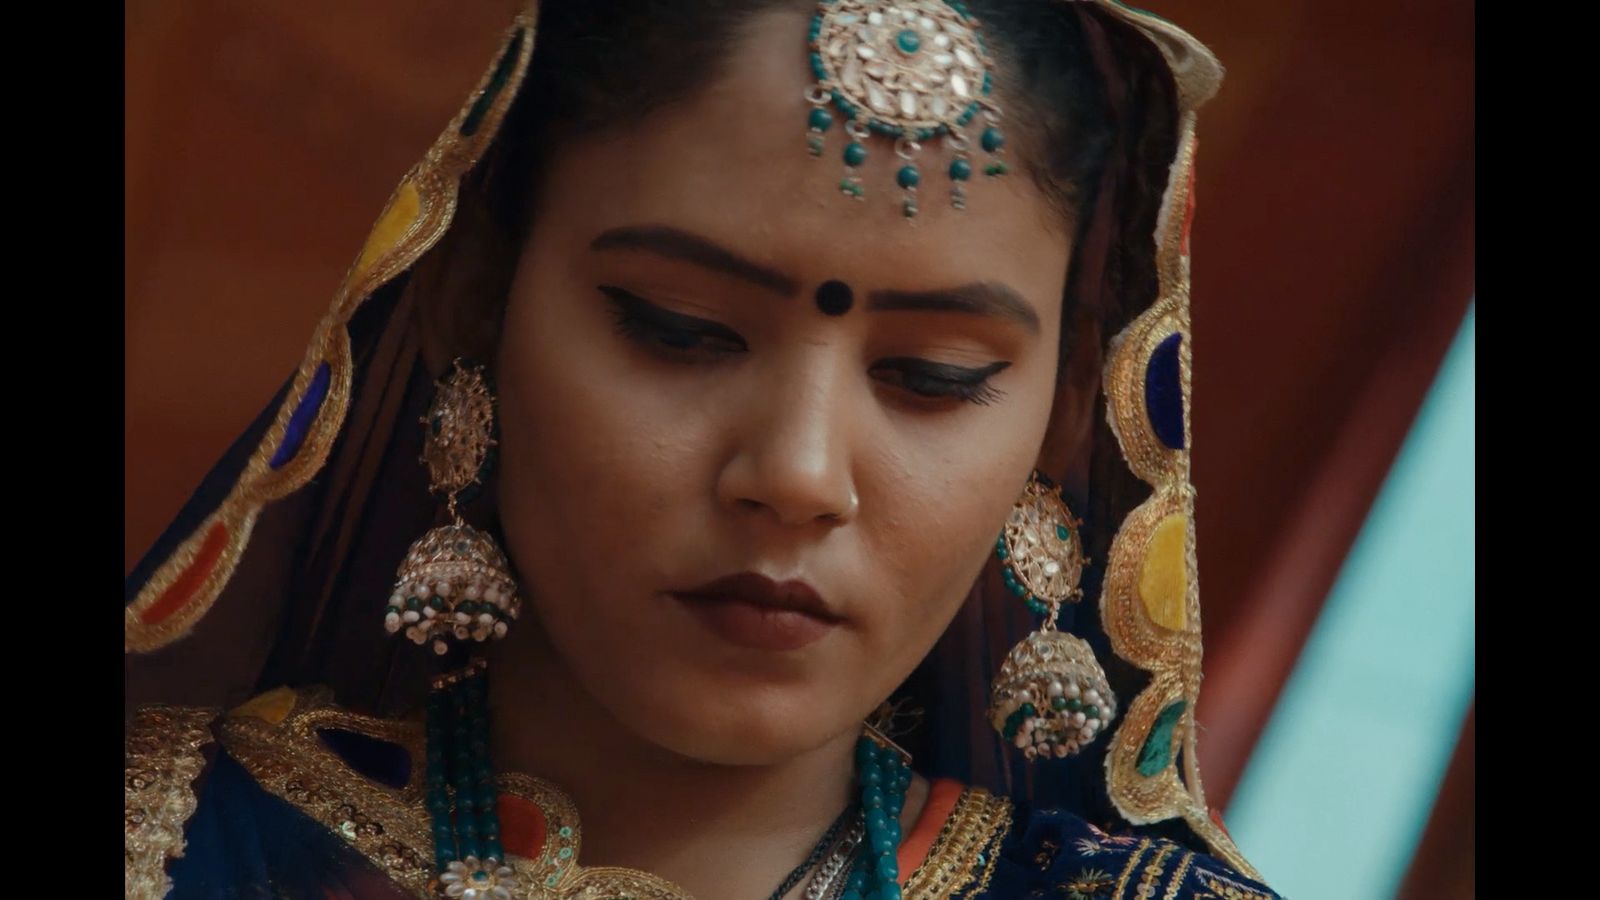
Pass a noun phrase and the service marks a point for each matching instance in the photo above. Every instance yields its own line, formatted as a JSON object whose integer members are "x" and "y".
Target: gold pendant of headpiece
{"x": 915, "y": 72}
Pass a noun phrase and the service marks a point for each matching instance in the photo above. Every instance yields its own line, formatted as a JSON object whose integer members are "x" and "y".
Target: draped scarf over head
{"x": 276, "y": 570}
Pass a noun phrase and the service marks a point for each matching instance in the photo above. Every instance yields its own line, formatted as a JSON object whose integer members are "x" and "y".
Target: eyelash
{"x": 689, "y": 339}
{"x": 678, "y": 336}
{"x": 938, "y": 381}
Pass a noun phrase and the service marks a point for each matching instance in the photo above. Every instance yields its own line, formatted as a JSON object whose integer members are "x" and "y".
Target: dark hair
{"x": 600, "y": 64}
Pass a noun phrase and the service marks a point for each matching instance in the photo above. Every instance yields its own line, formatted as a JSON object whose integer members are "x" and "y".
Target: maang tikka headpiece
{"x": 912, "y": 71}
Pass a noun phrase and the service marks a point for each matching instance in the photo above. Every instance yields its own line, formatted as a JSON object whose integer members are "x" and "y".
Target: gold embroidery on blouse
{"x": 1087, "y": 885}
{"x": 1127, "y": 869}
{"x": 1152, "y": 872}
{"x": 1178, "y": 875}
{"x": 962, "y": 858}
{"x": 275, "y": 740}
{"x": 162, "y": 758}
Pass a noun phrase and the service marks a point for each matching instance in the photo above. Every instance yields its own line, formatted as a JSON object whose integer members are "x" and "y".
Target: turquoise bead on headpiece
{"x": 912, "y": 71}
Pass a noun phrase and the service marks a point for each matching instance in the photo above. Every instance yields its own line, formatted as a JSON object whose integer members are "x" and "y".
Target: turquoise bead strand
{"x": 461, "y": 794}
{"x": 884, "y": 778}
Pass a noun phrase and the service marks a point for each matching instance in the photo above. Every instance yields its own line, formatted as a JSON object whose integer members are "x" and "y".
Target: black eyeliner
{"x": 942, "y": 371}
{"x": 932, "y": 380}
{"x": 638, "y": 317}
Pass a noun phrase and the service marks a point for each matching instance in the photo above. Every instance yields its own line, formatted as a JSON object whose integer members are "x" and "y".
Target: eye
{"x": 940, "y": 381}
{"x": 677, "y": 336}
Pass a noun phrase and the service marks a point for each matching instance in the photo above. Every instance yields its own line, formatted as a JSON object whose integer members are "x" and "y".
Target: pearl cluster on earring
{"x": 454, "y": 583}
{"x": 1050, "y": 698}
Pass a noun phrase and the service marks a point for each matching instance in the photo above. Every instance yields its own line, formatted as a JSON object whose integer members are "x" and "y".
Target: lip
{"x": 751, "y": 610}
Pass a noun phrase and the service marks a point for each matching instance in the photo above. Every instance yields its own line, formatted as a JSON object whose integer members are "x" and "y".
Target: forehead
{"x": 730, "y": 163}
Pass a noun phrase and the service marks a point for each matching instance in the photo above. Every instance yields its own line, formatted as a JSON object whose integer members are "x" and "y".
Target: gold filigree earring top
{"x": 461, "y": 434}
{"x": 455, "y": 581}
{"x": 1050, "y": 698}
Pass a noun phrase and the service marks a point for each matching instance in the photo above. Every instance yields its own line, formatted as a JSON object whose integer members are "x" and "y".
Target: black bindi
{"x": 834, "y": 298}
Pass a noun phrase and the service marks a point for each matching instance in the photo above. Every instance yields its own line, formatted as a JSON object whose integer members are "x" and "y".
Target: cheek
{"x": 934, "y": 497}
{"x": 588, "y": 461}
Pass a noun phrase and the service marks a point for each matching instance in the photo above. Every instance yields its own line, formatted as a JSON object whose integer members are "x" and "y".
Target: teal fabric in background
{"x": 1337, "y": 792}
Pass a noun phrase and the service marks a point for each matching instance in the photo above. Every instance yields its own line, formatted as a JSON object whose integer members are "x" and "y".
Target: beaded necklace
{"x": 466, "y": 827}
{"x": 815, "y": 857}
{"x": 883, "y": 773}
{"x": 462, "y": 798}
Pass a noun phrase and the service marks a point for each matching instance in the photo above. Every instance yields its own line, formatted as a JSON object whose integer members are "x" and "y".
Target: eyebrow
{"x": 983, "y": 298}
{"x": 675, "y": 243}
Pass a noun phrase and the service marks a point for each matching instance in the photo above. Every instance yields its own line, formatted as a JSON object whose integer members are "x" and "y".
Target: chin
{"x": 745, "y": 725}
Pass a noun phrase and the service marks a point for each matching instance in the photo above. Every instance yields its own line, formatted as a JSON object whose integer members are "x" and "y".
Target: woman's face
{"x": 677, "y": 408}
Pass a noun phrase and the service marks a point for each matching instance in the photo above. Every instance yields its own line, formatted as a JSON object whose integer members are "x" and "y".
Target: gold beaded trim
{"x": 554, "y": 871}
{"x": 289, "y": 761}
{"x": 1127, "y": 869}
{"x": 1178, "y": 875}
{"x": 1163, "y": 639}
{"x": 1152, "y": 871}
{"x": 162, "y": 759}
{"x": 962, "y": 858}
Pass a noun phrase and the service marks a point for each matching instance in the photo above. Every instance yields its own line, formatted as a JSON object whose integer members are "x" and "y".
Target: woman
{"x": 787, "y": 310}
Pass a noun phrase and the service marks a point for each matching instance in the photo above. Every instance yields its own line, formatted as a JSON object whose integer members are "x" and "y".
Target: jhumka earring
{"x": 911, "y": 70}
{"x": 455, "y": 581}
{"x": 1051, "y": 697}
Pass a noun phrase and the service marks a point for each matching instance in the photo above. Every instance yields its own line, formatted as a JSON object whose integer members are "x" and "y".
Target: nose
{"x": 793, "y": 458}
